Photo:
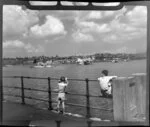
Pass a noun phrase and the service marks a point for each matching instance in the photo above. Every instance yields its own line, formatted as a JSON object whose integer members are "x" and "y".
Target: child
{"x": 62, "y": 84}
{"x": 105, "y": 82}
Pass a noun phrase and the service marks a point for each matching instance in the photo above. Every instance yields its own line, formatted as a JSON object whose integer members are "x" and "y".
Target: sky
{"x": 50, "y": 33}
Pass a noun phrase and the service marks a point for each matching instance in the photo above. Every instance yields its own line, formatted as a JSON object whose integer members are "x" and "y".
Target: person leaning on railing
{"x": 105, "y": 82}
{"x": 62, "y": 84}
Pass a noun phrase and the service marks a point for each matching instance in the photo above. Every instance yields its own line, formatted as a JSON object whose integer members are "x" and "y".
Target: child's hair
{"x": 105, "y": 72}
{"x": 62, "y": 79}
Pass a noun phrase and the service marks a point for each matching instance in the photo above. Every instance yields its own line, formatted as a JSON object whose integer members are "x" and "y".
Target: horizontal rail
{"x": 23, "y": 77}
{"x": 46, "y": 78}
{"x": 49, "y": 91}
{"x": 28, "y": 97}
{"x": 14, "y": 87}
{"x": 78, "y": 105}
{"x": 35, "y": 89}
{"x": 76, "y": 94}
{"x": 69, "y": 93}
{"x": 12, "y": 95}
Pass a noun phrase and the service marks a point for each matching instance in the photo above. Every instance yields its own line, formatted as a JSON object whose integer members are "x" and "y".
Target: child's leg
{"x": 58, "y": 105}
{"x": 63, "y": 106}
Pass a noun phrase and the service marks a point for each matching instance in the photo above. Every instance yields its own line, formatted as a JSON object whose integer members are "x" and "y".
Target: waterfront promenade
{"x": 16, "y": 114}
{"x": 128, "y": 106}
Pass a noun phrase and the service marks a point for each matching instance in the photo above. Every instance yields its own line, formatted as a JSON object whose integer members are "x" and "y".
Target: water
{"x": 93, "y": 71}
{"x": 79, "y": 71}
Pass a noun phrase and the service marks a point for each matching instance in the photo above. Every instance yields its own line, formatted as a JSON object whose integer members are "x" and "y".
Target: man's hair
{"x": 105, "y": 72}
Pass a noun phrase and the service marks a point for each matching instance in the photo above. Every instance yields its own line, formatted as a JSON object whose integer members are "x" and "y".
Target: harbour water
{"x": 121, "y": 69}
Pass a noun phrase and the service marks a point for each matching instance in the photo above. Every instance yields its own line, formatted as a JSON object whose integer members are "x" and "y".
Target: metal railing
{"x": 50, "y": 91}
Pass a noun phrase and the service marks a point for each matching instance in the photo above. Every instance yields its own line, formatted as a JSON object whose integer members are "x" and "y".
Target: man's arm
{"x": 100, "y": 85}
{"x": 110, "y": 81}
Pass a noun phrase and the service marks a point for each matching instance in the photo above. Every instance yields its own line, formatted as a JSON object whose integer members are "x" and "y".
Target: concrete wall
{"x": 129, "y": 98}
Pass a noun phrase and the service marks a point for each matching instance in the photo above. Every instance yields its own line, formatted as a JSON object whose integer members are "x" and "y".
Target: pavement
{"x": 16, "y": 114}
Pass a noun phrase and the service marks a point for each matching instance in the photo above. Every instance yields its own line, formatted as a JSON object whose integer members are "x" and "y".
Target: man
{"x": 105, "y": 82}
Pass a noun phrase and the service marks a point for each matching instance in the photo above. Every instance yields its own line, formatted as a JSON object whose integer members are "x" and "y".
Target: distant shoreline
{"x": 32, "y": 65}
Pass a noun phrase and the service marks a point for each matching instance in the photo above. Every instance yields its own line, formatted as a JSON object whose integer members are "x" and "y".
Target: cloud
{"x": 129, "y": 26}
{"x": 17, "y": 45}
{"x": 52, "y": 26}
{"x": 13, "y": 44}
{"x": 31, "y": 49}
{"x": 16, "y": 21}
{"x": 94, "y": 15}
{"x": 113, "y": 26}
{"x": 137, "y": 16}
{"x": 122, "y": 49}
{"x": 93, "y": 27}
{"x": 125, "y": 50}
{"x": 81, "y": 37}
{"x": 97, "y": 22}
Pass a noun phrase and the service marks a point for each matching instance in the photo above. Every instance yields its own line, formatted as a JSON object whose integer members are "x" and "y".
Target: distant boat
{"x": 84, "y": 61}
{"x": 80, "y": 61}
{"x": 48, "y": 66}
{"x": 87, "y": 62}
{"x": 115, "y": 61}
{"x": 39, "y": 66}
{"x": 43, "y": 65}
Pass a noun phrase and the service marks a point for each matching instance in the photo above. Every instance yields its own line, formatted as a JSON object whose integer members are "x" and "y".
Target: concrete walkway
{"x": 16, "y": 114}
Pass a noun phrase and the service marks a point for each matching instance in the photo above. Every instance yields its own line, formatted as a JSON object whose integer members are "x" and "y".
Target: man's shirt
{"x": 105, "y": 83}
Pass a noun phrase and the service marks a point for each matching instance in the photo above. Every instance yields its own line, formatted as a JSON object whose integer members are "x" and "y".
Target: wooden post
{"x": 87, "y": 99}
{"x": 49, "y": 94}
{"x": 22, "y": 90}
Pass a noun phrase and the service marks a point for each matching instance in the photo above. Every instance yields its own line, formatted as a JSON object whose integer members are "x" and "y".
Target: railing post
{"x": 49, "y": 94}
{"x": 87, "y": 99}
{"x": 22, "y": 90}
{"x": 58, "y": 122}
{"x": 89, "y": 123}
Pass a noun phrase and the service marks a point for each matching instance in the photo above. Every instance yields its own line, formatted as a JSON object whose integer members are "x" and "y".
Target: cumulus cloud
{"x": 93, "y": 27}
{"x": 87, "y": 24}
{"x": 16, "y": 21}
{"x": 121, "y": 26}
{"x": 129, "y": 26}
{"x": 52, "y": 26}
{"x": 31, "y": 49}
{"x": 81, "y": 37}
{"x": 137, "y": 16}
{"x": 13, "y": 44}
{"x": 125, "y": 50}
{"x": 94, "y": 15}
{"x": 17, "y": 44}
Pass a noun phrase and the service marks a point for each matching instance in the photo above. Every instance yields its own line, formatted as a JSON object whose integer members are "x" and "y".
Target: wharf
{"x": 16, "y": 114}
